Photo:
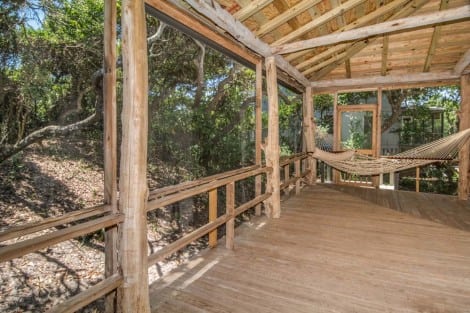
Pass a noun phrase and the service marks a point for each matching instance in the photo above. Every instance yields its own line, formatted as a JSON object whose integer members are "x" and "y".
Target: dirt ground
{"x": 60, "y": 176}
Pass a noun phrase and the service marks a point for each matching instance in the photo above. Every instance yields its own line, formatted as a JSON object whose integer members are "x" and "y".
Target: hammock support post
{"x": 273, "y": 204}
{"x": 308, "y": 133}
{"x": 464, "y": 154}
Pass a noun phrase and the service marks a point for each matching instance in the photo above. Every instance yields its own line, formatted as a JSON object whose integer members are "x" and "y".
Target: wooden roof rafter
{"x": 254, "y": 6}
{"x": 355, "y": 48}
{"x": 280, "y": 25}
{"x": 362, "y": 21}
{"x": 335, "y": 12}
{"x": 403, "y": 24}
{"x": 435, "y": 37}
{"x": 463, "y": 62}
{"x": 239, "y": 31}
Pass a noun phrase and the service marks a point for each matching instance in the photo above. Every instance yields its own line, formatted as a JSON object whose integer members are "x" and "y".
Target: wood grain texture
{"x": 133, "y": 190}
{"x": 272, "y": 150}
{"x": 213, "y": 216}
{"x": 443, "y": 209}
{"x": 404, "y": 24}
{"x": 110, "y": 143}
{"x": 464, "y": 153}
{"x": 330, "y": 252}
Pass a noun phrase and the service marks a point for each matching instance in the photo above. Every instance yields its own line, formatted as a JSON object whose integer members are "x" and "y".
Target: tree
{"x": 50, "y": 70}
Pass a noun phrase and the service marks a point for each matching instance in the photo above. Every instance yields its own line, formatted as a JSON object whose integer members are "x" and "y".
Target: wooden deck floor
{"x": 329, "y": 252}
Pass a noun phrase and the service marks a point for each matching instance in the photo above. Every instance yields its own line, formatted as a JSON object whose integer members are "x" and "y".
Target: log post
{"x": 258, "y": 130}
{"x": 272, "y": 150}
{"x": 286, "y": 173}
{"x": 133, "y": 182}
{"x": 213, "y": 216}
{"x": 110, "y": 143}
{"x": 308, "y": 129}
{"x": 298, "y": 174}
{"x": 464, "y": 154}
{"x": 230, "y": 207}
{"x": 378, "y": 135}
{"x": 336, "y": 137}
{"x": 418, "y": 179}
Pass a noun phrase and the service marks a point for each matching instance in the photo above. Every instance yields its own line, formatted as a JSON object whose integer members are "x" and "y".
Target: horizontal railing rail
{"x": 285, "y": 164}
{"x": 100, "y": 217}
{"x": 208, "y": 184}
{"x": 30, "y": 228}
{"x": 202, "y": 186}
{"x": 161, "y": 192}
{"x": 84, "y": 221}
{"x": 89, "y": 295}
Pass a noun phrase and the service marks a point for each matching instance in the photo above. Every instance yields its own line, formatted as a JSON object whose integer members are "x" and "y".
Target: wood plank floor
{"x": 329, "y": 252}
{"x": 443, "y": 209}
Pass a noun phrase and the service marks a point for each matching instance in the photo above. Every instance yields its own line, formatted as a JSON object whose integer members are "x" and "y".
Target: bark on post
{"x": 258, "y": 131}
{"x": 272, "y": 150}
{"x": 308, "y": 129}
{"x": 464, "y": 154}
{"x": 132, "y": 183}
{"x": 110, "y": 142}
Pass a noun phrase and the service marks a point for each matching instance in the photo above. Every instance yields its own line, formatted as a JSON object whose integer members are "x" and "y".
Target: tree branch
{"x": 52, "y": 130}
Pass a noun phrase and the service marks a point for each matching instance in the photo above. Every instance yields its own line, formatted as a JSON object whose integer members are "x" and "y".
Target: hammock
{"x": 444, "y": 149}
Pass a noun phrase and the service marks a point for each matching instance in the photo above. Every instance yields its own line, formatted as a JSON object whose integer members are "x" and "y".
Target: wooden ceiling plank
{"x": 383, "y": 81}
{"x": 359, "y": 22}
{"x": 406, "y": 10}
{"x": 462, "y": 63}
{"x": 318, "y": 21}
{"x": 384, "y": 55}
{"x": 405, "y": 24}
{"x": 282, "y": 6}
{"x": 435, "y": 38}
{"x": 355, "y": 48}
{"x": 253, "y": 7}
{"x": 227, "y": 22}
{"x": 285, "y": 16}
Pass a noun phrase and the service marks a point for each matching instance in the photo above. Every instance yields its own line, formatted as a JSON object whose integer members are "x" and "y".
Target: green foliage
{"x": 50, "y": 51}
{"x": 356, "y": 97}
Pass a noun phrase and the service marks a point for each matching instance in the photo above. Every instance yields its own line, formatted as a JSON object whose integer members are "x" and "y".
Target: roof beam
{"x": 347, "y": 54}
{"x": 247, "y": 11}
{"x": 227, "y": 22}
{"x": 318, "y": 21}
{"x": 400, "y": 25}
{"x": 353, "y": 49}
{"x": 286, "y": 16}
{"x": 384, "y": 55}
{"x": 384, "y": 81}
{"x": 372, "y": 16}
{"x": 462, "y": 64}
{"x": 435, "y": 38}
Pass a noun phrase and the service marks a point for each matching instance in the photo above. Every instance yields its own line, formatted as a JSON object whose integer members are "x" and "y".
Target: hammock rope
{"x": 444, "y": 149}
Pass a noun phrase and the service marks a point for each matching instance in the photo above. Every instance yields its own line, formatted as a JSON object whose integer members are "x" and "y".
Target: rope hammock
{"x": 444, "y": 149}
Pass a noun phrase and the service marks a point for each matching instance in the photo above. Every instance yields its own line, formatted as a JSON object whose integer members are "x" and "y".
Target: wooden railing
{"x": 299, "y": 174}
{"x": 99, "y": 217}
{"x": 169, "y": 195}
{"x": 85, "y": 221}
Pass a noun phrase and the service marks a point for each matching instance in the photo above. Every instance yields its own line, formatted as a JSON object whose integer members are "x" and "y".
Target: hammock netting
{"x": 441, "y": 150}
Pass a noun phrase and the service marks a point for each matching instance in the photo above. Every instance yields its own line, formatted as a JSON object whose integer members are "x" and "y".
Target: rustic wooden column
{"x": 258, "y": 129}
{"x": 133, "y": 182}
{"x": 308, "y": 129}
{"x": 213, "y": 216}
{"x": 110, "y": 142}
{"x": 336, "y": 136}
{"x": 378, "y": 135}
{"x": 272, "y": 150}
{"x": 464, "y": 154}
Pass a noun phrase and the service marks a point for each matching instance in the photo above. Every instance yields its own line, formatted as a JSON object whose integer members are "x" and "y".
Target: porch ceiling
{"x": 433, "y": 49}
